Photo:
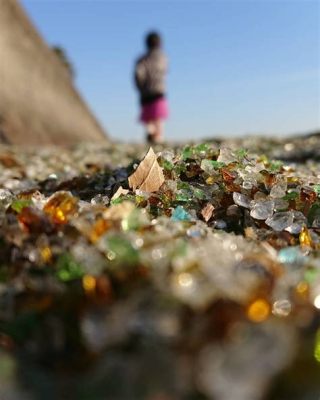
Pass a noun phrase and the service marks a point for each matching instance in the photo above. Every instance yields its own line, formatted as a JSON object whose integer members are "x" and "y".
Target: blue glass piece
{"x": 291, "y": 255}
{"x": 180, "y": 214}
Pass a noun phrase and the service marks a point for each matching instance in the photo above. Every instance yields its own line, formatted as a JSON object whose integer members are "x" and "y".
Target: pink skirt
{"x": 158, "y": 109}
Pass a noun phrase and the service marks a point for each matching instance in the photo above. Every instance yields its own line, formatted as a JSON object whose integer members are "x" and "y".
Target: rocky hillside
{"x": 38, "y": 102}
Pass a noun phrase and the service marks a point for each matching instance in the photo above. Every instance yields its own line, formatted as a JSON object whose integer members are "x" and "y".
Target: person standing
{"x": 150, "y": 72}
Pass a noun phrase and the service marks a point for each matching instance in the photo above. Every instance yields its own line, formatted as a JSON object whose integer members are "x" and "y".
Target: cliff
{"x": 38, "y": 101}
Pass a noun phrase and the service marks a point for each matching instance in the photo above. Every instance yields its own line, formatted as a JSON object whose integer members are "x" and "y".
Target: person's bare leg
{"x": 150, "y": 131}
{"x": 158, "y": 131}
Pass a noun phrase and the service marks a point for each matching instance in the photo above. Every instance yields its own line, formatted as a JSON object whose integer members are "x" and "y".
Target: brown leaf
{"x": 149, "y": 175}
{"x": 207, "y": 211}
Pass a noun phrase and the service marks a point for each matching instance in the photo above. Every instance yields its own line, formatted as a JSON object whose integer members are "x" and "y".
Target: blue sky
{"x": 235, "y": 66}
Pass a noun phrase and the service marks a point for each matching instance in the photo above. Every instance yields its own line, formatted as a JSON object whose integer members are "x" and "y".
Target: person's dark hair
{"x": 153, "y": 40}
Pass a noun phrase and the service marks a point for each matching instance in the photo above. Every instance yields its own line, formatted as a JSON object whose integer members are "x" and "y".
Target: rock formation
{"x": 39, "y": 104}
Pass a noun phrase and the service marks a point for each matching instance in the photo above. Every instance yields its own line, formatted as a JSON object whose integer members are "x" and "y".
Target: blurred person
{"x": 150, "y": 72}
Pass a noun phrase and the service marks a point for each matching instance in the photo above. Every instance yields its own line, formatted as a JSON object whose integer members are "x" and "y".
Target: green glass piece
{"x": 68, "y": 269}
{"x": 202, "y": 148}
{"x": 182, "y": 196}
{"x": 167, "y": 165}
{"x": 314, "y": 212}
{"x": 241, "y": 153}
{"x": 183, "y": 185}
{"x": 180, "y": 167}
{"x": 19, "y": 205}
{"x": 134, "y": 220}
{"x": 290, "y": 196}
{"x": 180, "y": 249}
{"x": 139, "y": 199}
{"x": 199, "y": 194}
{"x": 316, "y": 351}
{"x": 311, "y": 274}
{"x": 316, "y": 188}
{"x": 7, "y": 367}
{"x": 187, "y": 152}
{"x": 275, "y": 166}
{"x": 4, "y": 273}
{"x": 122, "y": 250}
{"x": 123, "y": 197}
{"x": 211, "y": 165}
{"x": 118, "y": 200}
{"x": 21, "y": 326}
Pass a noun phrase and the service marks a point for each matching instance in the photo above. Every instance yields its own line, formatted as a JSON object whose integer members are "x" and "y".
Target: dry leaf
{"x": 119, "y": 192}
{"x": 148, "y": 177}
{"x": 207, "y": 211}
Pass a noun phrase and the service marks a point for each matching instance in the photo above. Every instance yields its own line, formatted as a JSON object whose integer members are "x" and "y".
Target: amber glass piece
{"x": 193, "y": 170}
{"x": 27, "y": 195}
{"x": 33, "y": 220}
{"x": 103, "y": 289}
{"x": 305, "y": 237}
{"x": 89, "y": 284}
{"x": 308, "y": 195}
{"x": 293, "y": 179}
{"x": 99, "y": 228}
{"x": 231, "y": 187}
{"x": 61, "y": 206}
{"x": 228, "y": 176}
{"x": 259, "y": 310}
{"x": 302, "y": 290}
{"x": 46, "y": 254}
{"x": 211, "y": 180}
{"x": 269, "y": 180}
